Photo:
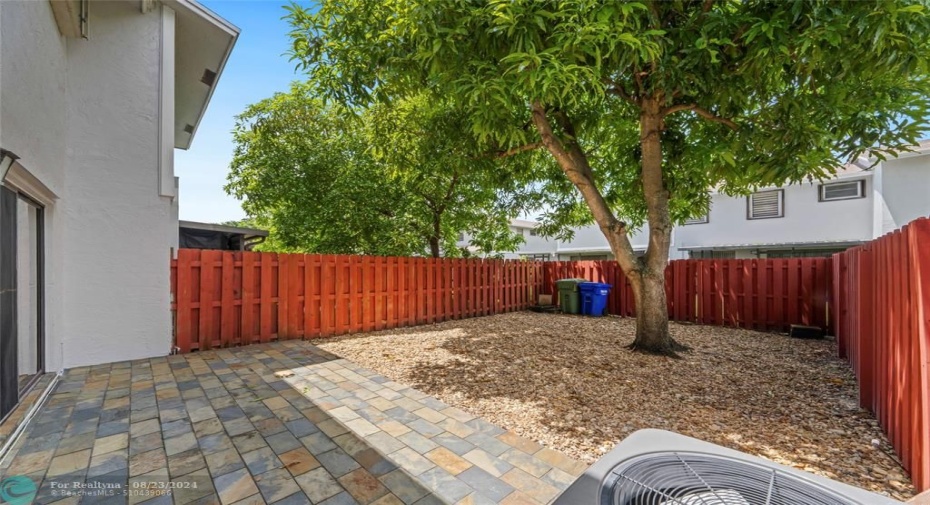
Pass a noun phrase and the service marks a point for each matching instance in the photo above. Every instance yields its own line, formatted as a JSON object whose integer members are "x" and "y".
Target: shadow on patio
{"x": 273, "y": 423}
{"x": 568, "y": 382}
{"x": 214, "y": 427}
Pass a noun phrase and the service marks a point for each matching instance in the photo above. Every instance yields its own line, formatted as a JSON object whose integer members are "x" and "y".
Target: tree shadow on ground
{"x": 570, "y": 382}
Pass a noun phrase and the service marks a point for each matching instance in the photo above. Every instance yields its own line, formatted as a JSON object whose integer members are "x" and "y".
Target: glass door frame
{"x": 40, "y": 289}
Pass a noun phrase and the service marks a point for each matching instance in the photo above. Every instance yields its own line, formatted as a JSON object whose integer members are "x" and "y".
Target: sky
{"x": 256, "y": 69}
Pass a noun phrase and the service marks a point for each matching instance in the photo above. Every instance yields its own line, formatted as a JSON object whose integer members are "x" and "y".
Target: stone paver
{"x": 220, "y": 427}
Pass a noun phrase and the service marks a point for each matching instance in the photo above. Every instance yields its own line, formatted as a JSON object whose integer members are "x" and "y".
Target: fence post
{"x": 920, "y": 267}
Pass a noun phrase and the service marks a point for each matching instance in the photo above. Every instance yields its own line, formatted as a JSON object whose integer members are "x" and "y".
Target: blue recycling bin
{"x": 593, "y": 298}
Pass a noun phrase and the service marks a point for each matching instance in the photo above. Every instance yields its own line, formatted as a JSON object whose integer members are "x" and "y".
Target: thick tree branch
{"x": 707, "y": 5}
{"x": 700, "y": 111}
{"x": 448, "y": 196}
{"x": 638, "y": 77}
{"x": 427, "y": 199}
{"x": 574, "y": 164}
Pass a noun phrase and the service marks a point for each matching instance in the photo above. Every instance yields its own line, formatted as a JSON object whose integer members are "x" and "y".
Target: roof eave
{"x": 222, "y": 24}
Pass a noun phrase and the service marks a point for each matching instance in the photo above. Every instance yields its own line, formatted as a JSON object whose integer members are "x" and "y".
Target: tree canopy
{"x": 643, "y": 106}
{"x": 398, "y": 180}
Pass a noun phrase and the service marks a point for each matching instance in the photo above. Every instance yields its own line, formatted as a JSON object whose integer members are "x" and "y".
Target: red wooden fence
{"x": 882, "y": 293}
{"x": 226, "y": 298}
{"x": 759, "y": 294}
{"x": 875, "y": 298}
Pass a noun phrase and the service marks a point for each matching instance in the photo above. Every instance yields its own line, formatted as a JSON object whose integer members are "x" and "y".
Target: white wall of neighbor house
{"x": 906, "y": 185}
{"x": 533, "y": 243}
{"x": 83, "y": 115}
{"x": 805, "y": 219}
{"x": 894, "y": 193}
{"x": 587, "y": 242}
{"x": 591, "y": 240}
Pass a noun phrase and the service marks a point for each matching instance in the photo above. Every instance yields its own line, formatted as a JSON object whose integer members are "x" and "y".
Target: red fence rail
{"x": 226, "y": 298}
{"x": 882, "y": 293}
{"x": 758, "y": 294}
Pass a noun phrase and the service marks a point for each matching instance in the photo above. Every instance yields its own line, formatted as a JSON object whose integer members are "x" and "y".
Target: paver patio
{"x": 277, "y": 423}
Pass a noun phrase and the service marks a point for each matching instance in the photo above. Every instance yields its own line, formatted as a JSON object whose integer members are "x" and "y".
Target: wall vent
{"x": 209, "y": 77}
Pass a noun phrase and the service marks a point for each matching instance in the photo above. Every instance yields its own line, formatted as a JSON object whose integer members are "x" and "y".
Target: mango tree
{"x": 645, "y": 107}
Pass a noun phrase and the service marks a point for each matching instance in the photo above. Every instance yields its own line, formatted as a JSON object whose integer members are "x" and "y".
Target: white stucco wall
{"x": 33, "y": 124}
{"x": 806, "y": 219}
{"x": 535, "y": 244}
{"x": 116, "y": 276}
{"x": 33, "y": 79}
{"x": 590, "y": 238}
{"x": 84, "y": 117}
{"x": 906, "y": 190}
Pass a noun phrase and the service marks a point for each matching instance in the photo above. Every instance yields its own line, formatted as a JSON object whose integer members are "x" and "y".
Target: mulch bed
{"x": 569, "y": 383}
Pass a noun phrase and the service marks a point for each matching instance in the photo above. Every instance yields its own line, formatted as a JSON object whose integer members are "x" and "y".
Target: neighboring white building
{"x": 588, "y": 243}
{"x": 809, "y": 219}
{"x": 94, "y": 98}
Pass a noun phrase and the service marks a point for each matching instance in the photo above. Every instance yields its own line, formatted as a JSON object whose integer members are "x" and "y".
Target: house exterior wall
{"x": 591, "y": 240}
{"x": 83, "y": 115}
{"x": 534, "y": 244}
{"x": 906, "y": 183}
{"x": 116, "y": 224}
{"x": 806, "y": 219}
{"x": 33, "y": 80}
{"x": 587, "y": 241}
{"x": 33, "y": 83}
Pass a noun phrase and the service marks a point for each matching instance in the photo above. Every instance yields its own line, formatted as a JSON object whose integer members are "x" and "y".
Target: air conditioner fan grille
{"x": 690, "y": 478}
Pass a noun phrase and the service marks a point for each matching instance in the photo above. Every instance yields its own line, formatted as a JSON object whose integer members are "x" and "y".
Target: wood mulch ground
{"x": 569, "y": 383}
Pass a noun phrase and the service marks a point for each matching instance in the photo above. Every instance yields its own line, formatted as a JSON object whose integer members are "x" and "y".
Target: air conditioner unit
{"x": 655, "y": 467}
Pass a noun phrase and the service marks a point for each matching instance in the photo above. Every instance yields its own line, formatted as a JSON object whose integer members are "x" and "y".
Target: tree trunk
{"x": 434, "y": 238}
{"x": 647, "y": 275}
{"x": 652, "y": 333}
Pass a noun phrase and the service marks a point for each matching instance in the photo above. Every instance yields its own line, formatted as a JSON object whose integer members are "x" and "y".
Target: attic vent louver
{"x": 188, "y": 128}
{"x": 766, "y": 204}
{"x": 209, "y": 77}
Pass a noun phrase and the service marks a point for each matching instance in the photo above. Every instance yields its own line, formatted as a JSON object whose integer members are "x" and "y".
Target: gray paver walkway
{"x": 276, "y": 423}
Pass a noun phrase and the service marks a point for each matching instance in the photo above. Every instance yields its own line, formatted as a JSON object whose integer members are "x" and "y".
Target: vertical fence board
{"x": 229, "y": 329}
{"x": 183, "y": 299}
{"x": 248, "y": 297}
{"x": 206, "y": 323}
{"x": 881, "y": 308}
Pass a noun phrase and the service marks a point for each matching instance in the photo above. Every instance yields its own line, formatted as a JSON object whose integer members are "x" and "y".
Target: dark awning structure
{"x": 193, "y": 235}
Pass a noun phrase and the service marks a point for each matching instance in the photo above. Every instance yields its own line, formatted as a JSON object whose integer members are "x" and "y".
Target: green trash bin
{"x": 569, "y": 298}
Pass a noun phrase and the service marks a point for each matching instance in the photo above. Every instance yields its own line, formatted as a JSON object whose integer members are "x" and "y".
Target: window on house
{"x": 591, "y": 257}
{"x": 698, "y": 220}
{"x": 536, "y": 257}
{"x": 802, "y": 253}
{"x": 461, "y": 237}
{"x": 766, "y": 204}
{"x": 717, "y": 255}
{"x": 846, "y": 190}
{"x": 532, "y": 232}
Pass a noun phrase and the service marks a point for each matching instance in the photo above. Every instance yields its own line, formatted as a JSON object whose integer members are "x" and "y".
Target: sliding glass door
{"x": 22, "y": 296}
